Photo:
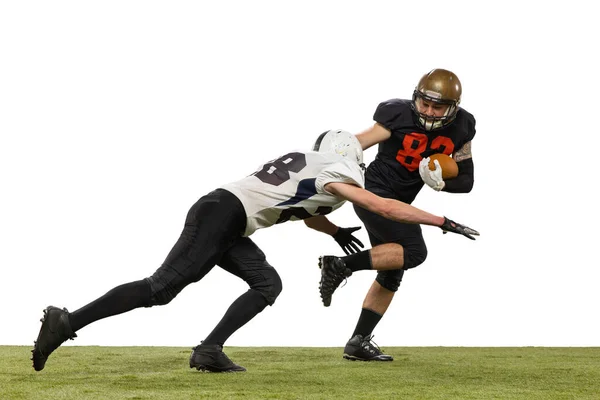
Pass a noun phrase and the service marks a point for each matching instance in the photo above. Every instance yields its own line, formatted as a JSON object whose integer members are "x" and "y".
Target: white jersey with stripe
{"x": 292, "y": 188}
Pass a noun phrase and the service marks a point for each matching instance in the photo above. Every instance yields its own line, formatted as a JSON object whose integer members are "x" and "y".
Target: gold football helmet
{"x": 437, "y": 86}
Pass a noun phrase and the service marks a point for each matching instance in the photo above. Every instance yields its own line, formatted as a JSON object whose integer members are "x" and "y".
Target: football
{"x": 449, "y": 167}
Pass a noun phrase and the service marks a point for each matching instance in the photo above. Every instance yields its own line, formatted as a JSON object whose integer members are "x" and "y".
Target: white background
{"x": 117, "y": 116}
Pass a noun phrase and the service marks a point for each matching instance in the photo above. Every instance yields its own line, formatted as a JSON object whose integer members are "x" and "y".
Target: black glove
{"x": 347, "y": 241}
{"x": 455, "y": 227}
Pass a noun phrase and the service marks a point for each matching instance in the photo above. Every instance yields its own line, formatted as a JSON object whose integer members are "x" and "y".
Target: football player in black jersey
{"x": 408, "y": 132}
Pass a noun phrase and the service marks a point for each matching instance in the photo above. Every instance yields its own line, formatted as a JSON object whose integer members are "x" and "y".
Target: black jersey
{"x": 395, "y": 170}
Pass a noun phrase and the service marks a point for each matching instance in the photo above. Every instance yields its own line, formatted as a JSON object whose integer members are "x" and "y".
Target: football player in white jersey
{"x": 298, "y": 185}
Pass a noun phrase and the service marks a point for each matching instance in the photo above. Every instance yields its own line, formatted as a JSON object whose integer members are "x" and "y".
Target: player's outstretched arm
{"x": 394, "y": 209}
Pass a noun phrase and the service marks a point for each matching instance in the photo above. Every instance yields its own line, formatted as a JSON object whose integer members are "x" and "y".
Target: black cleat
{"x": 210, "y": 357}
{"x": 361, "y": 348}
{"x": 55, "y": 331}
{"x": 333, "y": 272}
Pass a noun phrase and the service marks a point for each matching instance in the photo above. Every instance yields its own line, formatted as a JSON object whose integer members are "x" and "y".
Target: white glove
{"x": 432, "y": 178}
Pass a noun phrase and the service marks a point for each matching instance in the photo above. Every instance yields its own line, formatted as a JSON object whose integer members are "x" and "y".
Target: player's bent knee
{"x": 167, "y": 282}
{"x": 160, "y": 298}
{"x": 270, "y": 287}
{"x": 413, "y": 257}
{"x": 161, "y": 293}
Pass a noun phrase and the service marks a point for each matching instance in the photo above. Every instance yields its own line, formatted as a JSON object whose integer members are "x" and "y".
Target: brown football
{"x": 449, "y": 167}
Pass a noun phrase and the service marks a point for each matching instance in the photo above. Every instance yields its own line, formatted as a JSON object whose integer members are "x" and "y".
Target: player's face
{"x": 430, "y": 108}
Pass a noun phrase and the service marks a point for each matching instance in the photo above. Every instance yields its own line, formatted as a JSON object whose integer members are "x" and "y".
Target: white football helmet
{"x": 340, "y": 142}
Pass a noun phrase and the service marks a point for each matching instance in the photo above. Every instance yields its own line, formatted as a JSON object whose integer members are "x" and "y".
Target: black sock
{"x": 242, "y": 310}
{"x": 367, "y": 322}
{"x": 359, "y": 261}
{"x": 117, "y": 301}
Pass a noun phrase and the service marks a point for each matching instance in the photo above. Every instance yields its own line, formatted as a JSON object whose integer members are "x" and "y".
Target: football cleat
{"x": 210, "y": 358}
{"x": 55, "y": 330}
{"x": 362, "y": 348}
{"x": 333, "y": 272}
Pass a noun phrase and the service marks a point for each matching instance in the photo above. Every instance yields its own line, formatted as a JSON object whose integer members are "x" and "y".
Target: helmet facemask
{"x": 442, "y": 87}
{"x": 430, "y": 122}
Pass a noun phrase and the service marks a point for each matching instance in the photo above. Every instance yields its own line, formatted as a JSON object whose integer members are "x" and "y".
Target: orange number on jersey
{"x": 416, "y": 143}
{"x": 410, "y": 156}
{"x": 443, "y": 143}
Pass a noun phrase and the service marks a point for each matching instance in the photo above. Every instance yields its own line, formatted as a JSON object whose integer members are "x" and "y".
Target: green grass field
{"x": 304, "y": 373}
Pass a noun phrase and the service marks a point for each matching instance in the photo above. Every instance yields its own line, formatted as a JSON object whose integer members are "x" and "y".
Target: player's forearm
{"x": 402, "y": 212}
{"x": 322, "y": 224}
{"x": 463, "y": 183}
{"x": 387, "y": 208}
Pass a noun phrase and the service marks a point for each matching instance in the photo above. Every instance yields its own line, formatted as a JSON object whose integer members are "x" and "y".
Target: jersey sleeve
{"x": 344, "y": 171}
{"x": 467, "y": 125}
{"x": 387, "y": 112}
{"x": 470, "y": 128}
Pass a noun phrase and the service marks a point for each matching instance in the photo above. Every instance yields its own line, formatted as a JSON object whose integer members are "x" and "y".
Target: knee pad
{"x": 160, "y": 294}
{"x": 390, "y": 279}
{"x": 414, "y": 256}
{"x": 270, "y": 287}
{"x": 165, "y": 285}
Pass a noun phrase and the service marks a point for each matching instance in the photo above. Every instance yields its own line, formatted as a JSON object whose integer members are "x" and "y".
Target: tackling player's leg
{"x": 212, "y": 226}
{"x": 58, "y": 324}
{"x": 55, "y": 330}
{"x": 210, "y": 358}
{"x": 246, "y": 261}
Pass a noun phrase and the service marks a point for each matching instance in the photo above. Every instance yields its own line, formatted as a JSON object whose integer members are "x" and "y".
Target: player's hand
{"x": 455, "y": 227}
{"x": 433, "y": 179}
{"x": 347, "y": 241}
